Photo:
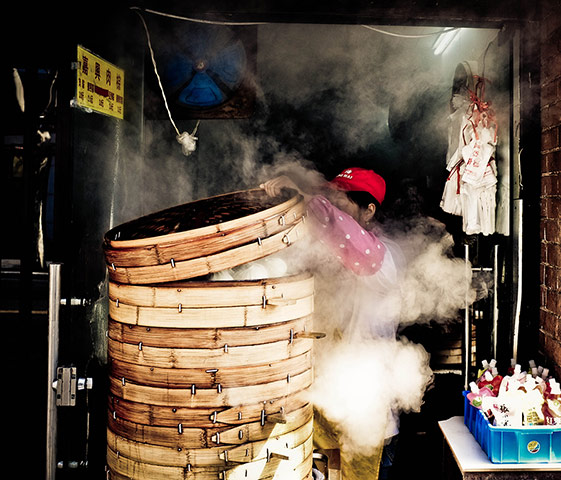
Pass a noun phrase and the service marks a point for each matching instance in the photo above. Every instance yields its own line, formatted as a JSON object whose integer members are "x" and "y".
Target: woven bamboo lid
{"x": 204, "y": 236}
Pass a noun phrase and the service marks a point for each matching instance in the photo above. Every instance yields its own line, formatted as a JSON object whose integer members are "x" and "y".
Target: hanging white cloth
{"x": 471, "y": 187}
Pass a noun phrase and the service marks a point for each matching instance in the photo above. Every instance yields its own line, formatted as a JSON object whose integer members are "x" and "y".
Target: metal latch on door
{"x": 67, "y": 384}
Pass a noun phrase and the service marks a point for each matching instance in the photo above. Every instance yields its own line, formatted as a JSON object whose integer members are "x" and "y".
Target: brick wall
{"x": 550, "y": 303}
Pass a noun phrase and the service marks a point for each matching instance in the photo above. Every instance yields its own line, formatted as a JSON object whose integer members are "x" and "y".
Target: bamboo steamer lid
{"x": 202, "y": 237}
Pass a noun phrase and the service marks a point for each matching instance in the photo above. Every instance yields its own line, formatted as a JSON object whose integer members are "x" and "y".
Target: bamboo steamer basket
{"x": 274, "y": 411}
{"x": 202, "y": 436}
{"x": 275, "y": 467}
{"x": 203, "y": 237}
{"x": 217, "y": 456}
{"x": 206, "y": 379}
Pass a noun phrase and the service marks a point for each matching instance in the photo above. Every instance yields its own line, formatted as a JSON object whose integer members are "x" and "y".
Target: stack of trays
{"x": 207, "y": 378}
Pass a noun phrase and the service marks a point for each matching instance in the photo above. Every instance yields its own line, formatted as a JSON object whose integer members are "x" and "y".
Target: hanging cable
{"x": 403, "y": 35}
{"x": 218, "y": 22}
{"x": 187, "y": 140}
{"x": 198, "y": 20}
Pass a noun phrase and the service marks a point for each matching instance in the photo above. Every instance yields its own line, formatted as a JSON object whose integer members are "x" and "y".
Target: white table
{"x": 473, "y": 463}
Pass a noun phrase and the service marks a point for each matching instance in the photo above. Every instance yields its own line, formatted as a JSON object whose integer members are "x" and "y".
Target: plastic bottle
{"x": 505, "y": 410}
{"x": 481, "y": 371}
{"x": 510, "y": 382}
{"x": 491, "y": 382}
{"x": 541, "y": 385}
{"x": 518, "y": 373}
{"x": 532, "y": 407}
{"x": 510, "y": 369}
{"x": 476, "y": 394}
{"x": 497, "y": 380}
{"x": 485, "y": 379}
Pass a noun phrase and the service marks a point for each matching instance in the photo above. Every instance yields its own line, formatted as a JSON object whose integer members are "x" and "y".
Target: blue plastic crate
{"x": 539, "y": 444}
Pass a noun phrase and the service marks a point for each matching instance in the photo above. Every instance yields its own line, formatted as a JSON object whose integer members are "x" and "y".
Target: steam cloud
{"x": 365, "y": 375}
{"x": 357, "y": 387}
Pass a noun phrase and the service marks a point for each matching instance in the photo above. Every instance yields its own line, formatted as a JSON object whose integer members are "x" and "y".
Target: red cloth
{"x": 359, "y": 250}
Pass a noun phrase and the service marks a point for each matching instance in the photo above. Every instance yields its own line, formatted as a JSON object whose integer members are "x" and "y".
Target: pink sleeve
{"x": 356, "y": 248}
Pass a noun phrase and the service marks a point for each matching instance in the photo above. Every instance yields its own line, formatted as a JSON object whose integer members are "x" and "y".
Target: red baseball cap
{"x": 361, "y": 180}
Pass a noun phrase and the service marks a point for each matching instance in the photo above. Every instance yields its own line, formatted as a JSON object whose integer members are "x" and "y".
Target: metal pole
{"x": 495, "y": 300}
{"x": 54, "y": 306}
{"x": 518, "y": 279}
{"x": 467, "y": 322}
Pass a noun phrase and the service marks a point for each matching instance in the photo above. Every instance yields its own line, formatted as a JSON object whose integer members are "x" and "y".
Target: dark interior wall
{"x": 550, "y": 233}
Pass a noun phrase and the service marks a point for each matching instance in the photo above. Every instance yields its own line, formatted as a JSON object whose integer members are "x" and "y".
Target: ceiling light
{"x": 444, "y": 40}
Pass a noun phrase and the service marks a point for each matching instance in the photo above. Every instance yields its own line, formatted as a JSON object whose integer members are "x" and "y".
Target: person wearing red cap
{"x": 342, "y": 214}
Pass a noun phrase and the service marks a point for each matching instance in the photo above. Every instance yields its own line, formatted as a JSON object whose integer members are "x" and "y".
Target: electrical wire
{"x": 218, "y": 22}
{"x": 403, "y": 35}
{"x": 156, "y": 71}
{"x": 198, "y": 20}
{"x": 187, "y": 140}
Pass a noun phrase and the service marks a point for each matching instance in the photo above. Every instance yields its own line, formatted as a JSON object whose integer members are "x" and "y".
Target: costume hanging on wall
{"x": 471, "y": 186}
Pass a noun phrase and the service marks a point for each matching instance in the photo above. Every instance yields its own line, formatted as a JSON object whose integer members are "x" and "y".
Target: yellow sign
{"x": 100, "y": 85}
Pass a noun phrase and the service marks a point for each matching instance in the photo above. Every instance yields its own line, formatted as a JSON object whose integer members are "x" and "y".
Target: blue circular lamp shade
{"x": 207, "y": 71}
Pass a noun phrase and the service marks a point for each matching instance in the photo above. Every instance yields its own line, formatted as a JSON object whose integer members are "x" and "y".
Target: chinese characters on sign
{"x": 100, "y": 85}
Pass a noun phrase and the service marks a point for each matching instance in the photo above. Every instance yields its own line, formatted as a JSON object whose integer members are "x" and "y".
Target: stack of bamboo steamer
{"x": 207, "y": 377}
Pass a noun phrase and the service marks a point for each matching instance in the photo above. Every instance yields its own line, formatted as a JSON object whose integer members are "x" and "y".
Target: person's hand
{"x": 274, "y": 186}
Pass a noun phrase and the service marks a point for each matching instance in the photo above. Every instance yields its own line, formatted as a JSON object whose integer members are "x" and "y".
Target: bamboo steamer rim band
{"x": 166, "y": 337}
{"x": 306, "y": 476}
{"x": 193, "y": 293}
{"x": 211, "y": 397}
{"x": 198, "y": 267}
{"x": 171, "y": 416}
{"x": 211, "y": 378}
{"x": 216, "y": 317}
{"x": 190, "y": 437}
{"x": 193, "y": 244}
{"x": 181, "y": 436}
{"x": 201, "y": 231}
{"x": 294, "y": 468}
{"x": 215, "y": 358}
{"x": 211, "y": 456}
{"x": 118, "y": 476}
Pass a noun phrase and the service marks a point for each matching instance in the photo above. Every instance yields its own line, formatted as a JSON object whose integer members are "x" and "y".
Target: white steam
{"x": 358, "y": 386}
{"x": 435, "y": 285}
